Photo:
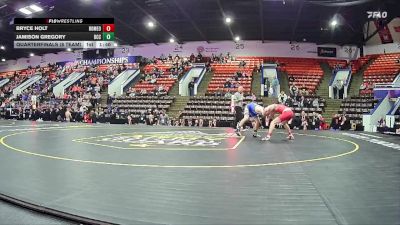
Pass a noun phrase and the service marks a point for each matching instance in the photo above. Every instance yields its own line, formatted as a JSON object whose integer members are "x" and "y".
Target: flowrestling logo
{"x": 377, "y": 14}
{"x": 174, "y": 139}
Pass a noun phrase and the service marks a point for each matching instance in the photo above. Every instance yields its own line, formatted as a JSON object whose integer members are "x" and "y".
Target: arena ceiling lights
{"x": 228, "y": 20}
{"x": 28, "y": 10}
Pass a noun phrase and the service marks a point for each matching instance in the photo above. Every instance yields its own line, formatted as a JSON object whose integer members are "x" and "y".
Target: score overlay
{"x": 31, "y": 33}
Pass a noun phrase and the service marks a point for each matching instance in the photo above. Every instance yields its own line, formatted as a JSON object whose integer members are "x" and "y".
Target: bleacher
{"x": 306, "y": 72}
{"x": 209, "y": 108}
{"x": 222, "y": 72}
{"x": 355, "y": 107}
{"x": 383, "y": 70}
{"x": 165, "y": 80}
{"x": 359, "y": 63}
{"x": 297, "y": 109}
{"x": 137, "y": 105}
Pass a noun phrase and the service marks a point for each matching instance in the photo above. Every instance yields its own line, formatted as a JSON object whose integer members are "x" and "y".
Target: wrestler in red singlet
{"x": 286, "y": 114}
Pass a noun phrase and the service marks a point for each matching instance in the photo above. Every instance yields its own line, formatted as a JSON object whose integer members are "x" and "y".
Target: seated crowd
{"x": 160, "y": 75}
{"x": 79, "y": 103}
{"x": 307, "y": 108}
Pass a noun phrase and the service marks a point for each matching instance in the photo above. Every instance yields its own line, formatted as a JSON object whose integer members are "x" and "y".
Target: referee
{"x": 237, "y": 103}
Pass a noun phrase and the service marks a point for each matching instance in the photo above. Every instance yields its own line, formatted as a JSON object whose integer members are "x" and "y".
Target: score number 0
{"x": 108, "y": 28}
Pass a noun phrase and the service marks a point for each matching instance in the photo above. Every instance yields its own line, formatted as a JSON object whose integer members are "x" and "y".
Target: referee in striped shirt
{"x": 237, "y": 104}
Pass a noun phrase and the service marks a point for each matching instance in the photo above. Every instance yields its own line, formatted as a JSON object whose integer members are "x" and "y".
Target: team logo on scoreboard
{"x": 170, "y": 140}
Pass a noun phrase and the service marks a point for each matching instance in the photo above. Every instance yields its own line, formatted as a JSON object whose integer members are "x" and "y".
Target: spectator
{"x": 340, "y": 87}
{"x": 291, "y": 79}
{"x": 192, "y": 58}
{"x": 294, "y": 91}
{"x": 218, "y": 93}
{"x": 363, "y": 86}
{"x": 282, "y": 97}
{"x": 315, "y": 121}
{"x": 304, "y": 91}
{"x": 301, "y": 102}
{"x": 315, "y": 103}
{"x": 304, "y": 120}
{"x": 267, "y": 85}
{"x": 228, "y": 94}
{"x": 191, "y": 87}
{"x": 344, "y": 122}
{"x": 227, "y": 83}
{"x": 335, "y": 122}
{"x": 289, "y": 102}
{"x": 307, "y": 103}
{"x": 275, "y": 84}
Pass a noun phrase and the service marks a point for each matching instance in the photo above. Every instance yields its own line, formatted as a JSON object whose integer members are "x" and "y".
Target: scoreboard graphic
{"x": 74, "y": 33}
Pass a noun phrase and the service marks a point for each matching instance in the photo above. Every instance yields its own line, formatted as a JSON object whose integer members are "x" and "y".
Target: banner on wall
{"x": 113, "y": 60}
{"x": 384, "y": 33}
{"x": 326, "y": 52}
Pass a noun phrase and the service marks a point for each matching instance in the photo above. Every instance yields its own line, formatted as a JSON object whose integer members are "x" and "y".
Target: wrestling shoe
{"x": 266, "y": 138}
{"x": 238, "y": 133}
{"x": 255, "y": 135}
{"x": 290, "y": 137}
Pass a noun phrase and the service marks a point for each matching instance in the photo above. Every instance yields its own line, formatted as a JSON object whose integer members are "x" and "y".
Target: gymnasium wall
{"x": 242, "y": 48}
{"x": 382, "y": 48}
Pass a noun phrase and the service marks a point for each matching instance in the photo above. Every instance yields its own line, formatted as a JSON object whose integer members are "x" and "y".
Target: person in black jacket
{"x": 191, "y": 88}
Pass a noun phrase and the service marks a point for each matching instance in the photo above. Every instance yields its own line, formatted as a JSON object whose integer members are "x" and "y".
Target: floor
{"x": 184, "y": 175}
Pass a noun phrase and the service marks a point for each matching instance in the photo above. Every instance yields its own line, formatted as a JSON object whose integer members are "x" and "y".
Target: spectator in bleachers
{"x": 294, "y": 91}
{"x": 344, "y": 122}
{"x": 289, "y": 102}
{"x": 307, "y": 103}
{"x": 192, "y": 58}
{"x": 228, "y": 94}
{"x": 227, "y": 83}
{"x": 304, "y": 120}
{"x": 335, "y": 122}
{"x": 218, "y": 93}
{"x": 301, "y": 101}
{"x": 315, "y": 121}
{"x": 303, "y": 91}
{"x": 282, "y": 97}
{"x": 315, "y": 103}
{"x": 291, "y": 78}
{"x": 199, "y": 57}
{"x": 201, "y": 122}
{"x": 363, "y": 86}
{"x": 242, "y": 64}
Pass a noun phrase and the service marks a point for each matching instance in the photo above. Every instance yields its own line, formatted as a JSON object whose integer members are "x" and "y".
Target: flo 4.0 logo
{"x": 377, "y": 14}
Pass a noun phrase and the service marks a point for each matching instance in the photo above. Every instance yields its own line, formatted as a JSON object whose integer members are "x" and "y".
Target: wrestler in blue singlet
{"x": 252, "y": 109}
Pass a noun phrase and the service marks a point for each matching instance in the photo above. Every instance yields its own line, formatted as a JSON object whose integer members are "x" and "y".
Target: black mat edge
{"x": 52, "y": 212}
